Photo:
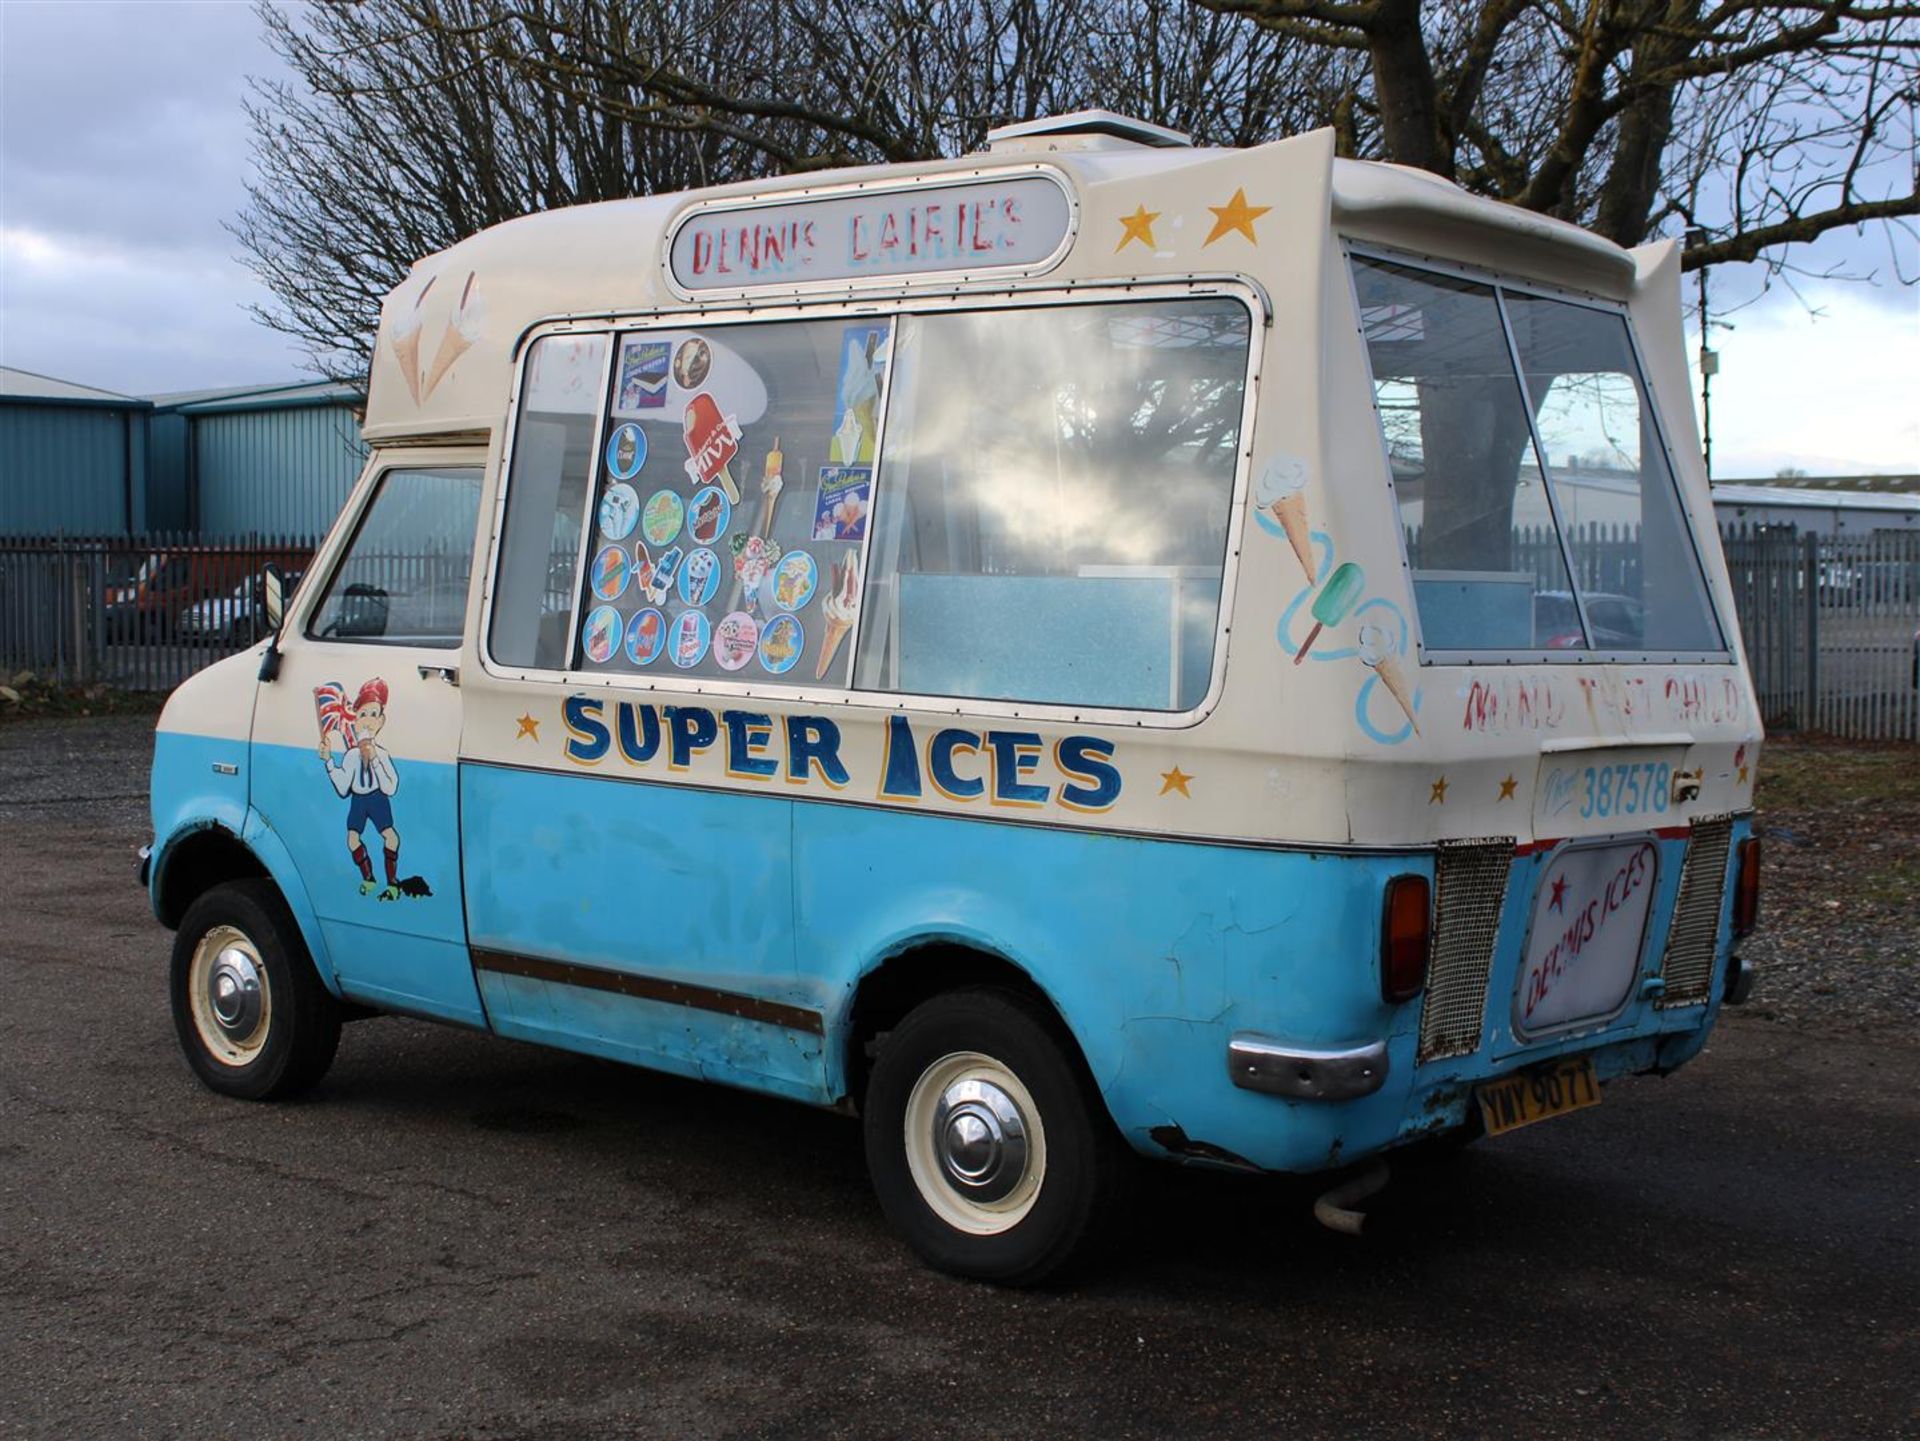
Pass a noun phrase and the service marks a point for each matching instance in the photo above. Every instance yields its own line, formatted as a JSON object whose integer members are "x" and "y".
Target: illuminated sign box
{"x": 1019, "y": 223}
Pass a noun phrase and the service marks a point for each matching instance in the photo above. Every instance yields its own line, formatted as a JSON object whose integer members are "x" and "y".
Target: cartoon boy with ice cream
{"x": 363, "y": 776}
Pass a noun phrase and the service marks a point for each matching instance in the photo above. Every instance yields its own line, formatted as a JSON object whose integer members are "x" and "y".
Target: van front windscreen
{"x": 1539, "y": 510}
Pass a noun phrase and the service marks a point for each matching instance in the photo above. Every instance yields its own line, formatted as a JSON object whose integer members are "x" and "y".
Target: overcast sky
{"x": 123, "y": 148}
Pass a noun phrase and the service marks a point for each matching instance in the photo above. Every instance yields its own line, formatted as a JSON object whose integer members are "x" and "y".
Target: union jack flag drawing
{"x": 330, "y": 704}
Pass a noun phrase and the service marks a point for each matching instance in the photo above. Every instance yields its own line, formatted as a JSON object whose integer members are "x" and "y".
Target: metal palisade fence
{"x": 1831, "y": 624}
{"x": 136, "y": 613}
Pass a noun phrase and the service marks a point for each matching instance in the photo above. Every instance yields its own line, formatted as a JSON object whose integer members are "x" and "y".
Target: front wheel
{"x": 252, "y": 1016}
{"x": 988, "y": 1149}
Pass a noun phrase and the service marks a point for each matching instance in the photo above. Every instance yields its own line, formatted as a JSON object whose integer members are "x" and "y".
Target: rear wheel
{"x": 252, "y": 1016}
{"x": 989, "y": 1151}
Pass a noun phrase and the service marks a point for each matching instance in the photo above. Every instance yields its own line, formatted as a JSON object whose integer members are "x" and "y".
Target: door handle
{"x": 448, "y": 673}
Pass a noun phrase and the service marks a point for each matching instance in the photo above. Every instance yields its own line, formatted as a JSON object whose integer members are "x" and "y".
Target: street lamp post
{"x": 1709, "y": 359}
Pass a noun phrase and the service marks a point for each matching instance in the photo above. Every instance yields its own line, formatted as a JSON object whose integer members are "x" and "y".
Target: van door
{"x": 355, "y": 744}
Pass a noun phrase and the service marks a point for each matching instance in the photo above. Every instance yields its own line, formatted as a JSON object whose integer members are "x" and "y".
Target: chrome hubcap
{"x": 976, "y": 1143}
{"x": 231, "y": 999}
{"x": 980, "y": 1137}
{"x": 233, "y": 992}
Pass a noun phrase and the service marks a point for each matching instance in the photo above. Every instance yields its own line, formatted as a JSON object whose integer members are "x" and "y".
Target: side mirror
{"x": 276, "y": 598}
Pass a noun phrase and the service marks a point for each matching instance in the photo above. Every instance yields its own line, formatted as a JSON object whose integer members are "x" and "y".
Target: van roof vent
{"x": 1083, "y": 130}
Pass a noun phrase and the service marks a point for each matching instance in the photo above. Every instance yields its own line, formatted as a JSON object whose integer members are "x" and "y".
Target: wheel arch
{"x": 916, "y": 970}
{"x": 206, "y": 853}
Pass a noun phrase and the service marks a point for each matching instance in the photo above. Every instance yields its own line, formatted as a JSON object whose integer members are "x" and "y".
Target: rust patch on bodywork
{"x": 1177, "y": 1142}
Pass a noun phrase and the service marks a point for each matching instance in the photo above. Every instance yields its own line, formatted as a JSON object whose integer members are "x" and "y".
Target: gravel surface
{"x": 1839, "y": 936}
{"x": 460, "y": 1237}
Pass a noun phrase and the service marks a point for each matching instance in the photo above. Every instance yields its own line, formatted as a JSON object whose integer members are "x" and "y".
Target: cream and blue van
{"x": 1093, "y": 645}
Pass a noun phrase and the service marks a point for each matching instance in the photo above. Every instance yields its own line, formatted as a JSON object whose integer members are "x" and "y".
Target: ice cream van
{"x": 1094, "y": 646}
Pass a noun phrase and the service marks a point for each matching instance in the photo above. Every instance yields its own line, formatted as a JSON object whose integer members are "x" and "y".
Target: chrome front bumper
{"x": 1259, "y": 1063}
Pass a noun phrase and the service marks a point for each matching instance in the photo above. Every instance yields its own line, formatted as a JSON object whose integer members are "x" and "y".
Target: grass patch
{"x": 27, "y": 696}
{"x": 1801, "y": 774}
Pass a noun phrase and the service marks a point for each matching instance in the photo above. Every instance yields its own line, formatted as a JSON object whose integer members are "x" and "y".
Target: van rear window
{"x": 1539, "y": 511}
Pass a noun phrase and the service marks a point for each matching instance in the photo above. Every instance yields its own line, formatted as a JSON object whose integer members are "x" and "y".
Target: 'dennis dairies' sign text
{"x": 1015, "y": 223}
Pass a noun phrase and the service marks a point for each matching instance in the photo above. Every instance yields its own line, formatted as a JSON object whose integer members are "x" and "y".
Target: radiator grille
{"x": 1688, "y": 964}
{"x": 1470, "y": 886}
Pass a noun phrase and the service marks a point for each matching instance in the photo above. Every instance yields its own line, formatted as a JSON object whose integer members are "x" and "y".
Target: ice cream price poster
{"x": 846, "y": 496}
{"x": 1008, "y": 223}
{"x": 863, "y": 365}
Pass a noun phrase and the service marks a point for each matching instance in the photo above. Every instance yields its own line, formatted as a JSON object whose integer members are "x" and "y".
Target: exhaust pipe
{"x": 1335, "y": 1210}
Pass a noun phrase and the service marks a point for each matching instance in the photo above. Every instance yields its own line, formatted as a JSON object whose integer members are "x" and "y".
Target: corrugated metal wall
{"x": 281, "y": 471}
{"x": 63, "y": 468}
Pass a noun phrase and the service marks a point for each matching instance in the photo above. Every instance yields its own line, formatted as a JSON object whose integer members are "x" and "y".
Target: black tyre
{"x": 251, "y": 1013}
{"x": 991, "y": 1153}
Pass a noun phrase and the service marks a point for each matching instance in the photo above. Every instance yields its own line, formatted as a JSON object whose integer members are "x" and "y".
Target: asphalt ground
{"x": 458, "y": 1236}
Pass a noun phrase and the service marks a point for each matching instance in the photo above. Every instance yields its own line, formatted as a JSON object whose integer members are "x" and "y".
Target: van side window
{"x": 737, "y": 471}
{"x": 547, "y": 483}
{"x": 403, "y": 579}
{"x": 1051, "y": 520}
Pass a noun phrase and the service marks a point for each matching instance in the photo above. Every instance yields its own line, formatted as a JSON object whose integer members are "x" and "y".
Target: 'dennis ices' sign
{"x": 1017, "y": 223}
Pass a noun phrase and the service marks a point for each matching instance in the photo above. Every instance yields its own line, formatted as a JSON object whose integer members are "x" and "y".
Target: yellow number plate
{"x": 1537, "y": 1095}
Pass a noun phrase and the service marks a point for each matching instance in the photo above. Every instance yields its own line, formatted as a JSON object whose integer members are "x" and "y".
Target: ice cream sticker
{"x": 863, "y": 361}
{"x": 643, "y": 375}
{"x": 841, "y": 608}
{"x": 646, "y": 636}
{"x": 753, "y": 558}
{"x": 660, "y": 521}
{"x": 712, "y": 441}
{"x": 735, "y": 640}
{"x": 619, "y": 511}
{"x": 603, "y": 634}
{"x": 626, "y": 451}
{"x": 611, "y": 572}
{"x": 840, "y": 509}
{"x": 781, "y": 642}
{"x": 792, "y": 582}
{"x": 691, "y": 363}
{"x": 664, "y": 571}
{"x": 1281, "y": 500}
{"x": 708, "y": 515}
{"x": 690, "y": 636}
{"x": 700, "y": 577}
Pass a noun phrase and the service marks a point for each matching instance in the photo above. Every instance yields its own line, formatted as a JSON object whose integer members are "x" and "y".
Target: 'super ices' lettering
{"x": 1004, "y": 769}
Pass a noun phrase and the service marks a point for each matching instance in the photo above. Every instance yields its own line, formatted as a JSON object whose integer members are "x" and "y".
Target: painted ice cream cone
{"x": 406, "y": 350}
{"x": 1291, "y": 512}
{"x": 1282, "y": 493}
{"x": 1396, "y": 682}
{"x": 1379, "y": 654}
{"x": 404, "y": 341}
{"x": 842, "y": 607}
{"x": 461, "y": 333}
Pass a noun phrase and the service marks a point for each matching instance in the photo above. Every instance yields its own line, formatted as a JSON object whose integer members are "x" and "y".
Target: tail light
{"x": 1406, "y": 938}
{"x": 1746, "y": 887}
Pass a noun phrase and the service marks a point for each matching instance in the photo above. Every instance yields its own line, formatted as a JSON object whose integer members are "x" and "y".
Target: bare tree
{"x": 411, "y": 123}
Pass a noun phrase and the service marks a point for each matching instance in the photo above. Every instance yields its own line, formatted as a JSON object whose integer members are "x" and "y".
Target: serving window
{"x": 1539, "y": 511}
{"x": 1018, "y": 504}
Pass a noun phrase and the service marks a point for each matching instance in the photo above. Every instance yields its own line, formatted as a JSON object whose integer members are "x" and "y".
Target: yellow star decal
{"x": 1438, "y": 795}
{"x": 1743, "y": 775}
{"x": 528, "y": 727}
{"x": 1139, "y": 226}
{"x": 1507, "y": 788}
{"x": 1236, "y": 214}
{"x": 1175, "y": 780}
